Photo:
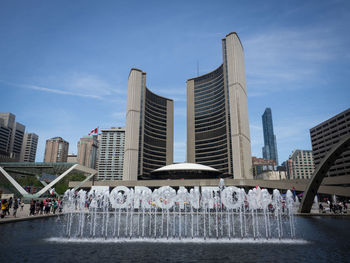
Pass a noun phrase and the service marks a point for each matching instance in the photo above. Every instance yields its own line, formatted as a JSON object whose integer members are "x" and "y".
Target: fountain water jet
{"x": 215, "y": 212}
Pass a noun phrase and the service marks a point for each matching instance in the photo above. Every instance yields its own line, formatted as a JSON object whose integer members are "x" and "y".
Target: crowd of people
{"x": 36, "y": 207}
{"x": 13, "y": 203}
{"x": 46, "y": 206}
{"x": 336, "y": 208}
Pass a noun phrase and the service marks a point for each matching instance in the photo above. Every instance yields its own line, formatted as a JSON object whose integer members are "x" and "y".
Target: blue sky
{"x": 64, "y": 65}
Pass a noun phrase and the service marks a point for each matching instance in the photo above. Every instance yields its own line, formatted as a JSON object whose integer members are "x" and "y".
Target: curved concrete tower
{"x": 149, "y": 129}
{"x": 217, "y": 115}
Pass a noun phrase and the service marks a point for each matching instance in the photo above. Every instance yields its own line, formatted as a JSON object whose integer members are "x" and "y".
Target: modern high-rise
{"x": 261, "y": 165}
{"x": 217, "y": 115}
{"x": 11, "y": 137}
{"x": 111, "y": 154}
{"x": 300, "y": 164}
{"x": 149, "y": 129}
{"x": 328, "y": 133}
{"x": 56, "y": 150}
{"x": 29, "y": 147}
{"x": 87, "y": 151}
{"x": 269, "y": 150}
{"x": 72, "y": 158}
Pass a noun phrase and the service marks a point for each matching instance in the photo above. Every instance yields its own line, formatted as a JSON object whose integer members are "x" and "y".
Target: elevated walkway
{"x": 59, "y": 169}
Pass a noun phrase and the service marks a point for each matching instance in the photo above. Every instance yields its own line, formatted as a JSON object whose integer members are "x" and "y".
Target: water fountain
{"x": 166, "y": 214}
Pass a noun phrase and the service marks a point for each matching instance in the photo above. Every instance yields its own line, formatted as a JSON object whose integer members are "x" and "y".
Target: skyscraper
{"x": 111, "y": 154}
{"x": 149, "y": 129}
{"x": 269, "y": 150}
{"x": 29, "y": 146}
{"x": 56, "y": 150}
{"x": 11, "y": 137}
{"x": 217, "y": 115}
{"x": 87, "y": 151}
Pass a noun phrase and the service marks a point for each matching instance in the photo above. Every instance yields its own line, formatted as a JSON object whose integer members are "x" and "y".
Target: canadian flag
{"x": 94, "y": 131}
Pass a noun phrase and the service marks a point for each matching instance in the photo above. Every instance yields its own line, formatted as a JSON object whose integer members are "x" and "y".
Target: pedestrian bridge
{"x": 61, "y": 170}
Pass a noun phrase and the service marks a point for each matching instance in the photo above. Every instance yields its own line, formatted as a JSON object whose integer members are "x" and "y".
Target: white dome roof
{"x": 185, "y": 167}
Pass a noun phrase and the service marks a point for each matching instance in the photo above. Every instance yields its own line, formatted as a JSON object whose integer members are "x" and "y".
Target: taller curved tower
{"x": 217, "y": 115}
{"x": 149, "y": 129}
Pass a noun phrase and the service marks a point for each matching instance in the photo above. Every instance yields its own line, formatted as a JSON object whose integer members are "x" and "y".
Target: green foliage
{"x": 29, "y": 180}
{"x": 62, "y": 185}
{"x": 76, "y": 177}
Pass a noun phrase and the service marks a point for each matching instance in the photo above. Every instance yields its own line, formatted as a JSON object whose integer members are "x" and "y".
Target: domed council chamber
{"x": 186, "y": 171}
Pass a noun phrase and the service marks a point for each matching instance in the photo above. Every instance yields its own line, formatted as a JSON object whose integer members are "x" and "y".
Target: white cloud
{"x": 92, "y": 85}
{"x": 79, "y": 85}
{"x": 279, "y": 60}
{"x": 57, "y": 91}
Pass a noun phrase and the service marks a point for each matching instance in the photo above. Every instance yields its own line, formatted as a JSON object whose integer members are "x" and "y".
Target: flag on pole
{"x": 94, "y": 131}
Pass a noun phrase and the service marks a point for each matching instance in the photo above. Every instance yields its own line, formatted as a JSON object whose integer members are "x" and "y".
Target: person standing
{"x": 22, "y": 204}
{"x": 41, "y": 207}
{"x": 9, "y": 205}
{"x": 15, "y": 207}
{"x": 47, "y": 207}
{"x": 32, "y": 208}
{"x": 3, "y": 208}
{"x": 60, "y": 206}
{"x": 320, "y": 207}
{"x": 54, "y": 204}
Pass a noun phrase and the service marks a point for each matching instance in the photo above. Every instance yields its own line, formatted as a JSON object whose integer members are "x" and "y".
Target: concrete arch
{"x": 320, "y": 173}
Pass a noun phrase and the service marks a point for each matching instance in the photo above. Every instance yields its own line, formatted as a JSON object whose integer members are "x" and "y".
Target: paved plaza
{"x": 24, "y": 215}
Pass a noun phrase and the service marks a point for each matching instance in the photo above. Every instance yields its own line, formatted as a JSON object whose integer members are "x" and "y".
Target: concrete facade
{"x": 87, "y": 151}
{"x": 328, "y": 133}
{"x": 261, "y": 165}
{"x": 272, "y": 175}
{"x": 29, "y": 147}
{"x": 217, "y": 115}
{"x": 72, "y": 158}
{"x": 111, "y": 154}
{"x": 300, "y": 164}
{"x": 149, "y": 129}
{"x": 11, "y": 137}
{"x": 56, "y": 150}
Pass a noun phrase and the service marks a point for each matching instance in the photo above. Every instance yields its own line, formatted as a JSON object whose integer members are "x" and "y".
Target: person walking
{"x": 15, "y": 207}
